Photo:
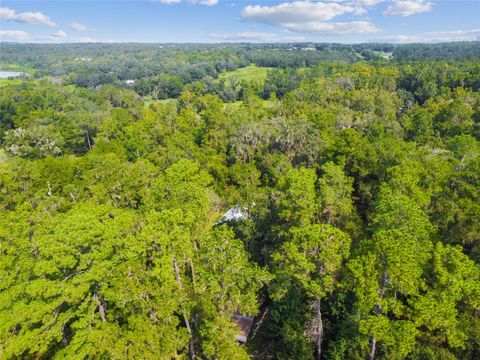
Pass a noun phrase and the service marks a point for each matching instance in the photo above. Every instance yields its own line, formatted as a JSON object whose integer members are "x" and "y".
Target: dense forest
{"x": 163, "y": 70}
{"x": 149, "y": 197}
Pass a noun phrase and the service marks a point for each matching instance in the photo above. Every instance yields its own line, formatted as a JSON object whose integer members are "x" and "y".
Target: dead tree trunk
{"x": 319, "y": 325}
{"x": 89, "y": 143}
{"x": 101, "y": 306}
{"x": 378, "y": 311}
{"x": 259, "y": 323}
{"x": 192, "y": 270}
{"x": 373, "y": 347}
{"x": 191, "y": 347}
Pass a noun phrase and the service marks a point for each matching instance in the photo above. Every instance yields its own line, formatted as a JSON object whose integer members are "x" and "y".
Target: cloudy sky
{"x": 240, "y": 21}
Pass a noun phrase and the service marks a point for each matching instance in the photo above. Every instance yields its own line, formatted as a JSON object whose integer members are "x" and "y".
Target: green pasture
{"x": 248, "y": 73}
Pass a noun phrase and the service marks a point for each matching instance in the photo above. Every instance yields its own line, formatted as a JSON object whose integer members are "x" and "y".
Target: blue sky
{"x": 343, "y": 21}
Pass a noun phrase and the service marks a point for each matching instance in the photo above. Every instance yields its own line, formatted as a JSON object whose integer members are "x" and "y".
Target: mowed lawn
{"x": 248, "y": 73}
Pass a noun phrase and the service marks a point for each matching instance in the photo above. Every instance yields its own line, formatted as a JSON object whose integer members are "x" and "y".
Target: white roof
{"x": 235, "y": 213}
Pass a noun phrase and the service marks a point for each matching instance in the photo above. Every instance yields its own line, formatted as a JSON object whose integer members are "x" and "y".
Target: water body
{"x": 9, "y": 74}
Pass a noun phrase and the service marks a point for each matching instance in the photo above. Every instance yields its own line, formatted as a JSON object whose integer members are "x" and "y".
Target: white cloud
{"x": 295, "y": 12}
{"x": 78, "y": 27}
{"x": 340, "y": 28}
{"x": 367, "y": 2}
{"x": 60, "y": 34}
{"x": 13, "y": 35}
{"x": 248, "y": 36}
{"x": 310, "y": 17}
{"x": 25, "y": 17}
{"x": 359, "y": 11}
{"x": 7, "y": 13}
{"x": 408, "y": 7}
{"x": 436, "y": 36}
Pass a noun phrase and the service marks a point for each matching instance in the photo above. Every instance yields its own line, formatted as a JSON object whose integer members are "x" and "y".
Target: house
{"x": 130, "y": 82}
{"x": 235, "y": 213}
{"x": 244, "y": 324}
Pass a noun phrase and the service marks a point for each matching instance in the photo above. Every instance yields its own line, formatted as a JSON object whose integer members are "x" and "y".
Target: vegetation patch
{"x": 248, "y": 73}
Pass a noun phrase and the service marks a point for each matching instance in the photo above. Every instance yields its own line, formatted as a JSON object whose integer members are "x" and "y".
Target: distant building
{"x": 310, "y": 48}
{"x": 130, "y": 82}
{"x": 83, "y": 59}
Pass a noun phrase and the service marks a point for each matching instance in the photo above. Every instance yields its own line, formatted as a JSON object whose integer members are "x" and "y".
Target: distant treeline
{"x": 355, "y": 191}
{"x": 162, "y": 70}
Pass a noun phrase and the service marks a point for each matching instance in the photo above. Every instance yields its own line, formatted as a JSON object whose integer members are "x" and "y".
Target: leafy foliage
{"x": 336, "y": 202}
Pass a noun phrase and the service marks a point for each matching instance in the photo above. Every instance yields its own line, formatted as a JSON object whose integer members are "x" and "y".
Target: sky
{"x": 210, "y": 21}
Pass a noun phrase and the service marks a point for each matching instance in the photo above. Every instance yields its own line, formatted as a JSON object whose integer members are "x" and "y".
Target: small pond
{"x": 10, "y": 74}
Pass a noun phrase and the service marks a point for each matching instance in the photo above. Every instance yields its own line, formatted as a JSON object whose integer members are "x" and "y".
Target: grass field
{"x": 248, "y": 73}
{"x": 16, "y": 67}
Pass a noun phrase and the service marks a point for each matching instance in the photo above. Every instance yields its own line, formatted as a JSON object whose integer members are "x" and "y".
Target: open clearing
{"x": 248, "y": 73}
